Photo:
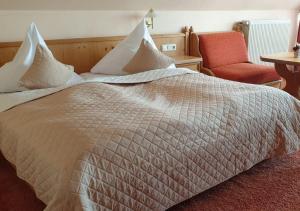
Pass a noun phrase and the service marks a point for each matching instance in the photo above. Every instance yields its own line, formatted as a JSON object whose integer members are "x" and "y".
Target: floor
{"x": 15, "y": 194}
{"x": 271, "y": 185}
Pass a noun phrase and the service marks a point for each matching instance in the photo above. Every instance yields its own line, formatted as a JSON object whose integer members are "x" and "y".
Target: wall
{"x": 146, "y": 4}
{"x": 71, "y": 24}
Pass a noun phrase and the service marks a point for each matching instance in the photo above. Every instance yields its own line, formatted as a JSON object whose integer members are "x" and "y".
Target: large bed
{"x": 262, "y": 187}
{"x": 145, "y": 141}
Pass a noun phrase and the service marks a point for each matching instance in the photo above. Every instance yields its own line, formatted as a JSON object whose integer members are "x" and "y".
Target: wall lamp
{"x": 150, "y": 18}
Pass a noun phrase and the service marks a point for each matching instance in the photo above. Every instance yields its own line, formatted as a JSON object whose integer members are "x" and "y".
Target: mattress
{"x": 148, "y": 145}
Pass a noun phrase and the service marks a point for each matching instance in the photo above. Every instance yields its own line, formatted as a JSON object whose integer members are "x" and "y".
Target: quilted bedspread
{"x": 145, "y": 146}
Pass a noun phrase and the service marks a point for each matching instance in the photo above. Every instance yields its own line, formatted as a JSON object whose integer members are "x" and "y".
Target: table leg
{"x": 292, "y": 79}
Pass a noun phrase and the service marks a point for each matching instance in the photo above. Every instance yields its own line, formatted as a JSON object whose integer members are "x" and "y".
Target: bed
{"x": 262, "y": 186}
{"x": 146, "y": 141}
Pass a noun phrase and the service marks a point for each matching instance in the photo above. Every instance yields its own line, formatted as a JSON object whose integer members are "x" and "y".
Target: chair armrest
{"x": 206, "y": 71}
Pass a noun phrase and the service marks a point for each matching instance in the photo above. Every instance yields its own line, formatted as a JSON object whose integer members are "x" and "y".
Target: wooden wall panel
{"x": 84, "y": 53}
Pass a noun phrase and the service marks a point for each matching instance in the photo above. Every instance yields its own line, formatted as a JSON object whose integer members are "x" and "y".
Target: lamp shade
{"x": 150, "y": 14}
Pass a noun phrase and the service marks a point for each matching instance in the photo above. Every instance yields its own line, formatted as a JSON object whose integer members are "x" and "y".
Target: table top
{"x": 186, "y": 59}
{"x": 282, "y": 58}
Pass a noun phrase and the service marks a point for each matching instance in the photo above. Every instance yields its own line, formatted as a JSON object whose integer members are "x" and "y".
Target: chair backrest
{"x": 224, "y": 48}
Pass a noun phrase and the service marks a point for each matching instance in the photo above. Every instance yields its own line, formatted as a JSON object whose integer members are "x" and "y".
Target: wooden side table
{"x": 190, "y": 62}
{"x": 292, "y": 77}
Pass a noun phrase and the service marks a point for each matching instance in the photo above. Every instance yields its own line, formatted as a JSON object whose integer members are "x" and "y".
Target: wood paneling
{"x": 84, "y": 53}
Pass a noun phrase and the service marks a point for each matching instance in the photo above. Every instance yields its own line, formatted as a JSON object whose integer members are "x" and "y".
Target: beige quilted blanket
{"x": 146, "y": 146}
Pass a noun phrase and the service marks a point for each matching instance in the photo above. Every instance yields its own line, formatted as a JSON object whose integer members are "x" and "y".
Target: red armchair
{"x": 225, "y": 56}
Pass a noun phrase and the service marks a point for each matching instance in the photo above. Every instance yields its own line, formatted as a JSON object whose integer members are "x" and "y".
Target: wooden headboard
{"x": 84, "y": 53}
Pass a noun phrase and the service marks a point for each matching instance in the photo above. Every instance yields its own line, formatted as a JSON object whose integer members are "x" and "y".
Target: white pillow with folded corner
{"x": 114, "y": 62}
{"x": 11, "y": 73}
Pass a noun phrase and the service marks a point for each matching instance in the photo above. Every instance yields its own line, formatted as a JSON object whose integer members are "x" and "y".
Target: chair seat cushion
{"x": 247, "y": 73}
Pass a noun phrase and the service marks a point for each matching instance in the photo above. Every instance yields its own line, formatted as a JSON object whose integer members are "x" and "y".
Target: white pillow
{"x": 11, "y": 73}
{"x": 114, "y": 62}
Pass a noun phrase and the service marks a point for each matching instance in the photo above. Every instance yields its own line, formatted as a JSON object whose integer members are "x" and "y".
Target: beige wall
{"x": 70, "y": 24}
{"x": 146, "y": 4}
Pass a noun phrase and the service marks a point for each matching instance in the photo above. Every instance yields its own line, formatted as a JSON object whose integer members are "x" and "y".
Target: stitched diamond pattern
{"x": 146, "y": 146}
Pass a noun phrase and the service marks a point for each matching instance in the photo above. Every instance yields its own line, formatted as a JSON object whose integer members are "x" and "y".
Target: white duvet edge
{"x": 10, "y": 100}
